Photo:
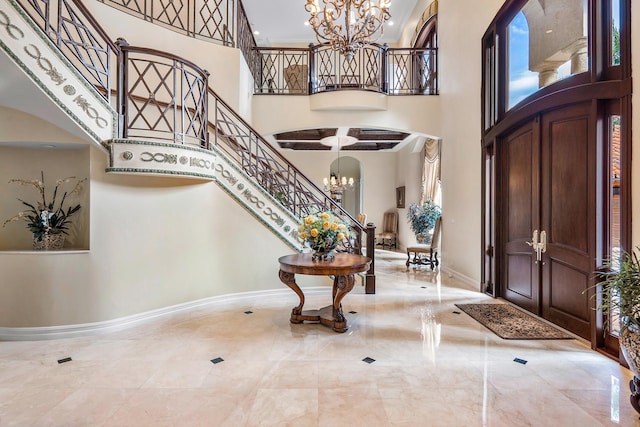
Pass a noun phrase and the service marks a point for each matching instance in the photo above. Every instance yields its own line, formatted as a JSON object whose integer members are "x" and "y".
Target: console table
{"x": 342, "y": 267}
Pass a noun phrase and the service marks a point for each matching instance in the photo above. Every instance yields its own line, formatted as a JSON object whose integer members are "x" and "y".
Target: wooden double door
{"x": 549, "y": 183}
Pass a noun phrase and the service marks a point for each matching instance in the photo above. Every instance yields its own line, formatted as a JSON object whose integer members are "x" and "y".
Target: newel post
{"x": 370, "y": 281}
{"x": 312, "y": 66}
{"x": 122, "y": 88}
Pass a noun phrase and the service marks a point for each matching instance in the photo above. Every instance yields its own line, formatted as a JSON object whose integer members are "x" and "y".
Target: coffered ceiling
{"x": 367, "y": 139}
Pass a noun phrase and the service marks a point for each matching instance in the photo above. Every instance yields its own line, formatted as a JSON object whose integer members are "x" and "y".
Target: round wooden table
{"x": 342, "y": 267}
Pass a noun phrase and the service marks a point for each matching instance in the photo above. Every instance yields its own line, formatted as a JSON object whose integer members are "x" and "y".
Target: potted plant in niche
{"x": 422, "y": 219}
{"x": 620, "y": 298}
{"x": 49, "y": 221}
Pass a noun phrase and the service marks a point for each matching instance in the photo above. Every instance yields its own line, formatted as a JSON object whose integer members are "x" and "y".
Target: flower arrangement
{"x": 322, "y": 232}
{"x": 423, "y": 218}
{"x": 44, "y": 217}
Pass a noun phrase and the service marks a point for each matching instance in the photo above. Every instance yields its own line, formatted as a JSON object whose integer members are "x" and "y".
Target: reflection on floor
{"x": 410, "y": 358}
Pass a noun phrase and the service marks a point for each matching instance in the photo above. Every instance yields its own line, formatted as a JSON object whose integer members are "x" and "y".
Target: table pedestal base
{"x": 329, "y": 316}
{"x": 342, "y": 267}
{"x": 323, "y": 316}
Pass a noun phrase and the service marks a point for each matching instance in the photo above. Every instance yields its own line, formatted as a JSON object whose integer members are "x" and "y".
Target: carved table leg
{"x": 342, "y": 285}
{"x": 289, "y": 279}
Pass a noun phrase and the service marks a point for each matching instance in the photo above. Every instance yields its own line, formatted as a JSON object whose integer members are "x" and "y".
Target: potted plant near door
{"x": 620, "y": 298}
{"x": 422, "y": 219}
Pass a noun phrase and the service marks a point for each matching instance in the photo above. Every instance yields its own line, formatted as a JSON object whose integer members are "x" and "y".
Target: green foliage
{"x": 621, "y": 291}
{"x": 615, "y": 54}
{"x": 45, "y": 217}
{"x": 423, "y": 218}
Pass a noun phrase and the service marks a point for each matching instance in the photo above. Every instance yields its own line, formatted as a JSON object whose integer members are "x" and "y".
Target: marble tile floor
{"x": 430, "y": 367}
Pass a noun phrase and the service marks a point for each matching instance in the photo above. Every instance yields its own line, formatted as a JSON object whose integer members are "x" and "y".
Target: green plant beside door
{"x": 620, "y": 299}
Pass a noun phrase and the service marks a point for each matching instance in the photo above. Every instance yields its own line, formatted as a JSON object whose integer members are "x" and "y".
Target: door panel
{"x": 568, "y": 182}
{"x": 568, "y": 206}
{"x": 549, "y": 185}
{"x": 520, "y": 206}
{"x": 562, "y": 300}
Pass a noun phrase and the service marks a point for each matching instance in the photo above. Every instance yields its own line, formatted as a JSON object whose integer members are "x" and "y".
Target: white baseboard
{"x": 114, "y": 325}
{"x": 465, "y": 280}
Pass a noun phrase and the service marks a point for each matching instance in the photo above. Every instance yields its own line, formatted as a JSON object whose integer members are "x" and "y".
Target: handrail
{"x": 189, "y": 17}
{"x": 79, "y": 36}
{"x": 246, "y": 42}
{"x": 272, "y": 157}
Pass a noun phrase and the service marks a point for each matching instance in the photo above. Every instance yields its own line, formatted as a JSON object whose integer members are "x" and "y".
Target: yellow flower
{"x": 325, "y": 215}
{"x": 309, "y": 220}
{"x": 334, "y": 226}
{"x": 325, "y": 225}
{"x": 314, "y": 232}
{"x": 341, "y": 226}
{"x": 340, "y": 236}
{"x": 303, "y": 236}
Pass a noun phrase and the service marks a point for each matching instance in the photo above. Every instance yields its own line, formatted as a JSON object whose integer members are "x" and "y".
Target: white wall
{"x": 459, "y": 57}
{"x": 409, "y": 31}
{"x": 155, "y": 242}
{"x": 378, "y": 170}
{"x": 409, "y": 175}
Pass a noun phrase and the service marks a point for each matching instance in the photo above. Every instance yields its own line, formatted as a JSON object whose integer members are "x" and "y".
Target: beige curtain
{"x": 431, "y": 171}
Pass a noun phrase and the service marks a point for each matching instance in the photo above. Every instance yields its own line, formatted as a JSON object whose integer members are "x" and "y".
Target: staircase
{"x": 160, "y": 117}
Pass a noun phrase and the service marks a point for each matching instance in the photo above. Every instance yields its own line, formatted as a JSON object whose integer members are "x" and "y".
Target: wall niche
{"x": 57, "y": 162}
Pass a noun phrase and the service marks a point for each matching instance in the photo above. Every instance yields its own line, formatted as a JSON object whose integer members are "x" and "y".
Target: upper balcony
{"x": 294, "y": 71}
{"x": 319, "y": 68}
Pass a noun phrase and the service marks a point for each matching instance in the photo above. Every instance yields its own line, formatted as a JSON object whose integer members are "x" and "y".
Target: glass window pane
{"x": 522, "y": 81}
{"x": 615, "y": 32}
{"x": 547, "y": 42}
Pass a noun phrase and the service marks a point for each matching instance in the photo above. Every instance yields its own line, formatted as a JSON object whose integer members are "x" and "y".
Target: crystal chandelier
{"x": 362, "y": 20}
{"x": 336, "y": 184}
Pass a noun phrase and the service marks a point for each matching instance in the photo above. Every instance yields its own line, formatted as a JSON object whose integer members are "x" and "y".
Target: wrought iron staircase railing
{"x": 160, "y": 96}
{"x": 78, "y": 35}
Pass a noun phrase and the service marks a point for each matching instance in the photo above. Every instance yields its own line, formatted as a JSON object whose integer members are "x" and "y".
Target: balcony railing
{"x": 285, "y": 71}
{"x": 220, "y": 21}
{"x": 305, "y": 71}
{"x": 161, "y": 96}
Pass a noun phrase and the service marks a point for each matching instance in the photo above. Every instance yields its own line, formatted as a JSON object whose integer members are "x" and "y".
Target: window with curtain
{"x": 431, "y": 172}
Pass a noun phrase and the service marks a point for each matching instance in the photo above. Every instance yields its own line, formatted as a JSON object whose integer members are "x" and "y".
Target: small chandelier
{"x": 336, "y": 184}
{"x": 362, "y": 20}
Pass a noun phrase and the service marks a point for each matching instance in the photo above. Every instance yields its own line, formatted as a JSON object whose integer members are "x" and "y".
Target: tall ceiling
{"x": 282, "y": 21}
